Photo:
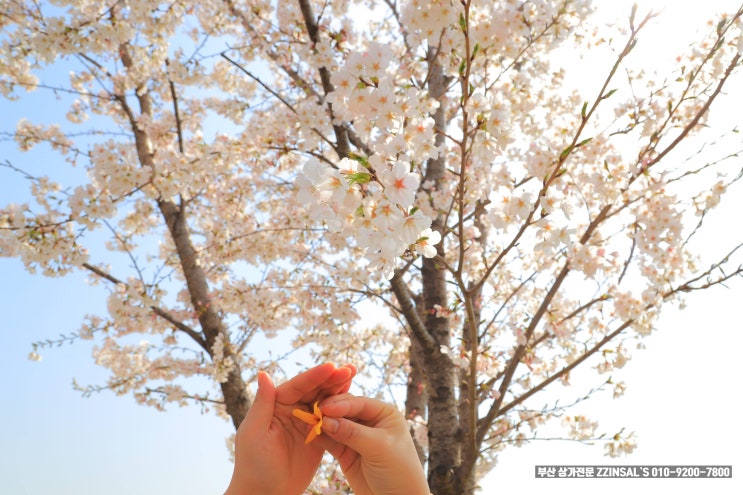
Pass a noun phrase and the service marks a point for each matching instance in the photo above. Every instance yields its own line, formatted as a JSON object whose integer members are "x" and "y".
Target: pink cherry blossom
{"x": 425, "y": 246}
{"x": 400, "y": 185}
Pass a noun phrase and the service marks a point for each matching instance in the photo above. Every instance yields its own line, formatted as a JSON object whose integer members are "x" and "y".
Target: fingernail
{"x": 330, "y": 425}
{"x": 339, "y": 404}
{"x": 262, "y": 378}
{"x": 329, "y": 400}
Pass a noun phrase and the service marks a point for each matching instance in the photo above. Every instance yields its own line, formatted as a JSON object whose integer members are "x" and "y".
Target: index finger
{"x": 304, "y": 386}
{"x": 340, "y": 381}
{"x": 361, "y": 408}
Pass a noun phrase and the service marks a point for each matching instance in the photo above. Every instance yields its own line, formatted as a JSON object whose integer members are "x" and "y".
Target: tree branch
{"x": 196, "y": 336}
{"x": 342, "y": 147}
{"x": 407, "y": 308}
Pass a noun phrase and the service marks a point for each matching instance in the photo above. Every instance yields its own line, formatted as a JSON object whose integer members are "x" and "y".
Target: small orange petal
{"x": 311, "y": 436}
{"x": 308, "y": 418}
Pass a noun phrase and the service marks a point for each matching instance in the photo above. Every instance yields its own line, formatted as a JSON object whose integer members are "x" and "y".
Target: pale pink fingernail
{"x": 330, "y": 425}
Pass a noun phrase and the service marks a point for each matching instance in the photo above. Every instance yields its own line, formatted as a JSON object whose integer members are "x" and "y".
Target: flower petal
{"x": 313, "y": 434}
{"x": 308, "y": 418}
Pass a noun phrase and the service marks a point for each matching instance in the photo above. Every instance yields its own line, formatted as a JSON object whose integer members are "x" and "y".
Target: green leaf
{"x": 475, "y": 50}
{"x": 583, "y": 110}
{"x": 607, "y": 95}
{"x": 564, "y": 153}
{"x": 359, "y": 158}
{"x": 584, "y": 142}
{"x": 358, "y": 178}
{"x": 721, "y": 26}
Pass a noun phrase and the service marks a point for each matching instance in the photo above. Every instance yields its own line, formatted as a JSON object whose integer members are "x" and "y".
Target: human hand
{"x": 372, "y": 443}
{"x": 270, "y": 454}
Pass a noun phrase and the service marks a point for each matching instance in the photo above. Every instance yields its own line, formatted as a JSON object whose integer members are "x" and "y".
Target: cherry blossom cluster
{"x": 621, "y": 444}
{"x": 371, "y": 86}
{"x": 372, "y": 200}
{"x": 581, "y": 428}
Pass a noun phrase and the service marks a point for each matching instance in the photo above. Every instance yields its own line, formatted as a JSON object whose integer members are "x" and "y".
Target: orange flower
{"x": 311, "y": 419}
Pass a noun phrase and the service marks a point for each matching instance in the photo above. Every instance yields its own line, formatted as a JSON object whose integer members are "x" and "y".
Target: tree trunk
{"x": 234, "y": 390}
{"x": 444, "y": 434}
{"x": 468, "y": 399}
{"x": 417, "y": 393}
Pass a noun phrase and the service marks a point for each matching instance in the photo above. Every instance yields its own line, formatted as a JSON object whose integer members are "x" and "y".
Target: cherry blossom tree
{"x": 421, "y": 188}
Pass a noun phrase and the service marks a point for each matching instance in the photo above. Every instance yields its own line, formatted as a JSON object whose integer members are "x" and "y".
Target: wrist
{"x": 245, "y": 487}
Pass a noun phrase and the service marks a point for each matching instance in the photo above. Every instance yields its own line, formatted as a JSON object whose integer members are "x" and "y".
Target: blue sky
{"x": 55, "y": 441}
{"x": 681, "y": 399}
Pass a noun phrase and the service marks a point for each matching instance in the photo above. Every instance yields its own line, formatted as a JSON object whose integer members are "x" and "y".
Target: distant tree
{"x": 268, "y": 166}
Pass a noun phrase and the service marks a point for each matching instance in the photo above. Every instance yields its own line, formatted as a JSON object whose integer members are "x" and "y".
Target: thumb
{"x": 261, "y": 412}
{"x": 355, "y": 436}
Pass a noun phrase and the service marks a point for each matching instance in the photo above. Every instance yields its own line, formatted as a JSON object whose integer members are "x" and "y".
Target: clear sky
{"x": 682, "y": 398}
